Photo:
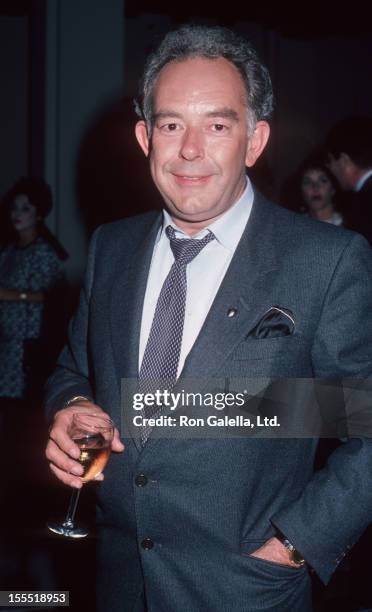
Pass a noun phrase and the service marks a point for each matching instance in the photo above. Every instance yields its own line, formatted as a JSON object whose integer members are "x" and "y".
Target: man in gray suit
{"x": 204, "y": 522}
{"x": 349, "y": 145}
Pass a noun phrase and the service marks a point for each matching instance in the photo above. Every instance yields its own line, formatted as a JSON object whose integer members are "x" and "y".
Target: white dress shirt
{"x": 204, "y": 273}
{"x": 362, "y": 180}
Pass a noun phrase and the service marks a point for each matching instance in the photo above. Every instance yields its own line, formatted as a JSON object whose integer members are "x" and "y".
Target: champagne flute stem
{"x": 69, "y": 520}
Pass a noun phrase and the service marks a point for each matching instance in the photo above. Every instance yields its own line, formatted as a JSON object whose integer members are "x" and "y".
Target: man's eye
{"x": 169, "y": 127}
{"x": 219, "y": 127}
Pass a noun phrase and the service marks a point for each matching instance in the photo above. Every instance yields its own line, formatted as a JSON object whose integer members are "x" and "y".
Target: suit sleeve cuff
{"x": 59, "y": 401}
{"x": 321, "y": 558}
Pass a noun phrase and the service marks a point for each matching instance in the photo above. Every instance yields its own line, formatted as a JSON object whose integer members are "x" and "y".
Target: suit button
{"x": 141, "y": 480}
{"x": 147, "y": 544}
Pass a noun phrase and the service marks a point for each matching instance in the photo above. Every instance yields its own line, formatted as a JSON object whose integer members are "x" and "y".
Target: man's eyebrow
{"x": 165, "y": 114}
{"x": 224, "y": 113}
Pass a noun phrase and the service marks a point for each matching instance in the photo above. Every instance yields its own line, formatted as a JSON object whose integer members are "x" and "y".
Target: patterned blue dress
{"x": 30, "y": 269}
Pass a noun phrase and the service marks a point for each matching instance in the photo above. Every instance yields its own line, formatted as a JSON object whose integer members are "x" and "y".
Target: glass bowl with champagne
{"x": 93, "y": 434}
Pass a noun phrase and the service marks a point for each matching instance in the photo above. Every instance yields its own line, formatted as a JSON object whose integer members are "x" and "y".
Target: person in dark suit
{"x": 208, "y": 522}
{"x": 349, "y": 145}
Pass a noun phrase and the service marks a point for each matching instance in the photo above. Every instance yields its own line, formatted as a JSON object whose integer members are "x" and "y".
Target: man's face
{"x": 200, "y": 144}
{"x": 339, "y": 168}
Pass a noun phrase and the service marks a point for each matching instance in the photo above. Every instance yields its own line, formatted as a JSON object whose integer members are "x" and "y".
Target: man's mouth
{"x": 185, "y": 179}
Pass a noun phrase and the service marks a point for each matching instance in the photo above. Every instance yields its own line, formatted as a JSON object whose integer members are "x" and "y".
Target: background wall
{"x": 14, "y": 108}
{"x": 83, "y": 69}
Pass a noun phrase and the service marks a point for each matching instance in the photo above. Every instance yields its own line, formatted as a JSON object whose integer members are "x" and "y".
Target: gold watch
{"x": 76, "y": 399}
{"x": 294, "y": 555}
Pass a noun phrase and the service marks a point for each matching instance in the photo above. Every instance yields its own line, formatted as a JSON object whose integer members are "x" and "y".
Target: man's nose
{"x": 192, "y": 146}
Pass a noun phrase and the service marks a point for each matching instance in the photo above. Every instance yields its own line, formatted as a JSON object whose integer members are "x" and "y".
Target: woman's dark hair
{"x": 316, "y": 161}
{"x": 292, "y": 191}
{"x": 40, "y": 195}
{"x": 37, "y": 191}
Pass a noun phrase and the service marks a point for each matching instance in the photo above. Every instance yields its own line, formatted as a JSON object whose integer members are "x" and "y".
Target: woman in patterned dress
{"x": 30, "y": 268}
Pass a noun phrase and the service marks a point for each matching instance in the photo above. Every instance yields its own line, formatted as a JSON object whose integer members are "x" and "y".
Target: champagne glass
{"x": 93, "y": 434}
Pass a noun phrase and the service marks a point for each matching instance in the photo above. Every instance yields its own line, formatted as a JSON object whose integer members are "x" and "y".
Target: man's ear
{"x": 345, "y": 160}
{"x": 142, "y": 137}
{"x": 257, "y": 142}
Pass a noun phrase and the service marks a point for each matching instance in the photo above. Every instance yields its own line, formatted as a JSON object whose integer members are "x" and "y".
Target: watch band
{"x": 295, "y": 556}
{"x": 75, "y": 399}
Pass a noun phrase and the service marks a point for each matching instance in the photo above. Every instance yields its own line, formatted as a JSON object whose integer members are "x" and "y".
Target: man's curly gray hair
{"x": 190, "y": 41}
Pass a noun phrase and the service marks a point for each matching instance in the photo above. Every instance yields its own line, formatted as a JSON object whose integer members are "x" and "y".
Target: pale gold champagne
{"x": 94, "y": 454}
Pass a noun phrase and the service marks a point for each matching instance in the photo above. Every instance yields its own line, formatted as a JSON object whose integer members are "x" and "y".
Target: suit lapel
{"x": 245, "y": 288}
{"x": 127, "y": 296}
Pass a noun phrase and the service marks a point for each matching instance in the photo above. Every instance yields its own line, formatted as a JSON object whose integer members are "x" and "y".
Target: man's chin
{"x": 191, "y": 215}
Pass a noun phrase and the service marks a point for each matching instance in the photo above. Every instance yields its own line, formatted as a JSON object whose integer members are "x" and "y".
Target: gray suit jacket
{"x": 208, "y": 503}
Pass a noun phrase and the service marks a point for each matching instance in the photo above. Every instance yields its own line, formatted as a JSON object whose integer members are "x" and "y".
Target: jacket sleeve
{"x": 72, "y": 375}
{"x": 336, "y": 506}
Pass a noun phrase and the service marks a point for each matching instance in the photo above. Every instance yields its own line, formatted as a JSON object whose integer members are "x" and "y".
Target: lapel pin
{"x": 232, "y": 312}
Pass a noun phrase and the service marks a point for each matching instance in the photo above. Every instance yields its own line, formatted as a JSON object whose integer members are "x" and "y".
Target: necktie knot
{"x": 186, "y": 249}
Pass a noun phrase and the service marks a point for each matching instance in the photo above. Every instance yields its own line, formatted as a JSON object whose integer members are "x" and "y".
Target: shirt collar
{"x": 362, "y": 180}
{"x": 229, "y": 227}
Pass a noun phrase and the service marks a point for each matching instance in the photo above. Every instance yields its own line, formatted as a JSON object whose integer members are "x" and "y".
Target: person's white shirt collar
{"x": 362, "y": 180}
{"x": 229, "y": 227}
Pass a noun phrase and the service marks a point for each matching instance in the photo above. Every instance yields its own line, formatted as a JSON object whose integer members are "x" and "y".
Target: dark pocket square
{"x": 277, "y": 321}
